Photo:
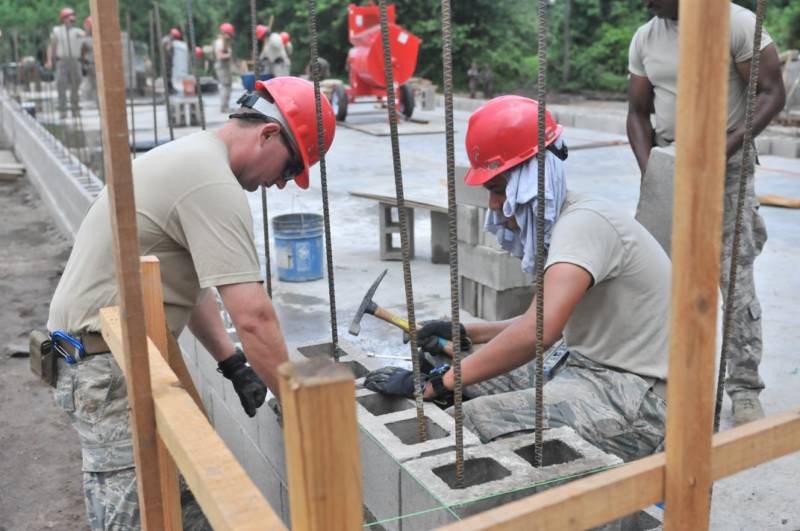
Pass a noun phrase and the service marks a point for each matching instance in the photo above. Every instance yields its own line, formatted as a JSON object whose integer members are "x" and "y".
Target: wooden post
{"x": 321, "y": 434}
{"x": 697, "y": 213}
{"x": 157, "y": 332}
{"x": 116, "y": 155}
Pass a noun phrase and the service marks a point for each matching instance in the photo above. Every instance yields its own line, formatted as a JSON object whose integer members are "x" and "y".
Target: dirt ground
{"x": 40, "y": 460}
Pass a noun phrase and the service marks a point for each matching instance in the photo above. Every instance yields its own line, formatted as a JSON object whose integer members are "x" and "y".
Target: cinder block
{"x": 654, "y": 210}
{"x": 469, "y": 295}
{"x": 388, "y": 225}
{"x": 786, "y": 146}
{"x": 468, "y": 224}
{"x": 380, "y": 477}
{"x": 270, "y": 441}
{"x": 440, "y": 238}
{"x": 208, "y": 369}
{"x": 496, "y": 305}
{"x": 496, "y": 269}
{"x": 228, "y": 429}
{"x": 263, "y": 475}
{"x": 469, "y": 195}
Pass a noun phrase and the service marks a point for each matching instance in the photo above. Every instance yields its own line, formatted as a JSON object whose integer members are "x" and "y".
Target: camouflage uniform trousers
{"x": 68, "y": 78}
{"x": 616, "y": 411}
{"x": 94, "y": 395}
{"x": 744, "y": 354}
{"x": 223, "y": 70}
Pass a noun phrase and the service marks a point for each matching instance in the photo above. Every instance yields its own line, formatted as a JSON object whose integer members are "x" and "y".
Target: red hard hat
{"x": 285, "y": 37}
{"x": 198, "y": 52}
{"x": 226, "y": 27}
{"x": 294, "y": 97}
{"x": 65, "y": 12}
{"x": 87, "y": 23}
{"x": 175, "y": 32}
{"x": 503, "y": 133}
{"x": 261, "y": 31}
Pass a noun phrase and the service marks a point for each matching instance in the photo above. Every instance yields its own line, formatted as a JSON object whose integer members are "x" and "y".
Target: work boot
{"x": 746, "y": 408}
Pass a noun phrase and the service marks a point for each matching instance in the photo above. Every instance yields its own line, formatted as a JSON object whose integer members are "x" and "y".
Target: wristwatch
{"x": 441, "y": 395}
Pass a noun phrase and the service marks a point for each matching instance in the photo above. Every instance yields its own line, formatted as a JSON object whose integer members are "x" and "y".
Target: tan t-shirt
{"x": 654, "y": 54}
{"x": 622, "y": 320}
{"x": 191, "y": 213}
{"x": 67, "y": 48}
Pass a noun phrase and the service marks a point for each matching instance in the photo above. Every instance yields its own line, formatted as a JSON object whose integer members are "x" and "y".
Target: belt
{"x": 93, "y": 344}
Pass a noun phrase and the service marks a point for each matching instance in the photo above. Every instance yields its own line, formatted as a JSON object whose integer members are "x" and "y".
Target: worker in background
{"x": 607, "y": 293}
{"x": 88, "y": 88}
{"x": 193, "y": 215}
{"x": 168, "y": 50}
{"x": 223, "y": 57}
{"x": 652, "y": 88}
{"x": 64, "y": 52}
{"x": 275, "y": 54}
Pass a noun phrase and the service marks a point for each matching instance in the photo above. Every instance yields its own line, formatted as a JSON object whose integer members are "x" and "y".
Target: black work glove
{"x": 398, "y": 381}
{"x": 428, "y": 336}
{"x": 246, "y": 383}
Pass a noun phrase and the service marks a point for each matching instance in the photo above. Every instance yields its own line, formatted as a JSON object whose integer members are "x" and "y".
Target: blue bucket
{"x": 249, "y": 80}
{"x": 298, "y": 246}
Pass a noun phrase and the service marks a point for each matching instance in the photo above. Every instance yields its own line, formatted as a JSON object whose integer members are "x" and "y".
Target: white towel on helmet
{"x": 521, "y": 202}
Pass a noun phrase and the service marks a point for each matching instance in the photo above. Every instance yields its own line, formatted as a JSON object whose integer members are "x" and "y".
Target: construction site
{"x": 250, "y": 293}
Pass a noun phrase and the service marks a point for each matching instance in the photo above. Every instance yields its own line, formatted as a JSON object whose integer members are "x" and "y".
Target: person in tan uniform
{"x": 223, "y": 58}
{"x": 193, "y": 215}
{"x": 64, "y": 52}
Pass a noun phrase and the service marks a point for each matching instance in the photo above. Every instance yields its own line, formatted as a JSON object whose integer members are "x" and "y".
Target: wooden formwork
{"x": 170, "y": 429}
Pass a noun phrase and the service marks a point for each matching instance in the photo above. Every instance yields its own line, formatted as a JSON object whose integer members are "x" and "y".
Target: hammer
{"x": 370, "y": 307}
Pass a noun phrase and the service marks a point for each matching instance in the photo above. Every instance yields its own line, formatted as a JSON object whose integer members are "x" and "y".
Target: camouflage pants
{"x": 615, "y": 411}
{"x": 68, "y": 78}
{"x": 223, "y": 70}
{"x": 744, "y": 354}
{"x": 94, "y": 395}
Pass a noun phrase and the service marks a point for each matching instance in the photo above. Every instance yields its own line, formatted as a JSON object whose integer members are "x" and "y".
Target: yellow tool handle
{"x": 402, "y": 324}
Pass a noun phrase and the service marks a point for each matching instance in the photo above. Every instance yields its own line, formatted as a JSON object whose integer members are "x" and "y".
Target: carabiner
{"x": 63, "y": 336}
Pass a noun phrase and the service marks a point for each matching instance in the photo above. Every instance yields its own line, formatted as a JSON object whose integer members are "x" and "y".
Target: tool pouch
{"x": 43, "y": 357}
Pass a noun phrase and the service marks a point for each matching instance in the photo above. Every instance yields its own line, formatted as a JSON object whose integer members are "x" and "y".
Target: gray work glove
{"x": 246, "y": 383}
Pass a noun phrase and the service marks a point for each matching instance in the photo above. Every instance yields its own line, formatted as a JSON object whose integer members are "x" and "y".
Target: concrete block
{"x": 440, "y": 238}
{"x": 496, "y": 269}
{"x": 654, "y": 210}
{"x": 496, "y": 305}
{"x": 380, "y": 477}
{"x": 469, "y": 195}
{"x": 263, "y": 475}
{"x": 469, "y": 295}
{"x": 786, "y": 146}
{"x": 469, "y": 224}
{"x": 270, "y": 441}
{"x": 228, "y": 429}
{"x": 208, "y": 369}
{"x": 388, "y": 226}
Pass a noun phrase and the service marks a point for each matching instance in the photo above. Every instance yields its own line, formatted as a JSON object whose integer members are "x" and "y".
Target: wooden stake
{"x": 321, "y": 434}
{"x": 116, "y": 156}
{"x": 157, "y": 332}
{"x": 696, "y": 235}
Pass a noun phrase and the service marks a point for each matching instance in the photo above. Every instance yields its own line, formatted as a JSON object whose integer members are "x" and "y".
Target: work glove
{"x": 246, "y": 383}
{"x": 428, "y": 336}
{"x": 400, "y": 382}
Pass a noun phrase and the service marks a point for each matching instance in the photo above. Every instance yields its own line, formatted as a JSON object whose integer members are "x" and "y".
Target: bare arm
{"x": 50, "y": 52}
{"x": 639, "y": 127}
{"x": 770, "y": 95}
{"x": 257, "y": 326}
{"x": 564, "y": 286}
{"x": 206, "y": 325}
{"x": 485, "y": 332}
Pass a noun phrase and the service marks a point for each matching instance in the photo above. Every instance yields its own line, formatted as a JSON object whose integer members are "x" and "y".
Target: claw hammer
{"x": 368, "y": 306}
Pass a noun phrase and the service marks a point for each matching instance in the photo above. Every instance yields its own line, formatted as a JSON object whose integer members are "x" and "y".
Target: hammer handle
{"x": 402, "y": 324}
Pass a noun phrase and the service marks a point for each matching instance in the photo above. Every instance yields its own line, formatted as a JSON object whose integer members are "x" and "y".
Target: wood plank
{"x": 228, "y": 497}
{"x": 699, "y": 177}
{"x": 392, "y": 200}
{"x": 609, "y": 495}
{"x": 117, "y": 163}
{"x": 778, "y": 201}
{"x": 321, "y": 434}
{"x": 157, "y": 332}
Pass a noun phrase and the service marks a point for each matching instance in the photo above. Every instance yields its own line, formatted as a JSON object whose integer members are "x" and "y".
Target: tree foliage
{"x": 500, "y": 33}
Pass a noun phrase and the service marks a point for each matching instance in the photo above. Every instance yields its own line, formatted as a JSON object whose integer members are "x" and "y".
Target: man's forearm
{"x": 207, "y": 326}
{"x": 640, "y": 135}
{"x": 266, "y": 350}
{"x": 484, "y": 332}
{"x": 767, "y": 106}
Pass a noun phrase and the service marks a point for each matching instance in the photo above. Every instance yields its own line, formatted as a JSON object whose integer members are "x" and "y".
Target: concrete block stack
{"x": 654, "y": 210}
{"x": 492, "y": 284}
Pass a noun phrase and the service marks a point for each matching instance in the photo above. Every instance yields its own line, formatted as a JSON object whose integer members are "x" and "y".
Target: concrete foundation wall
{"x": 66, "y": 186}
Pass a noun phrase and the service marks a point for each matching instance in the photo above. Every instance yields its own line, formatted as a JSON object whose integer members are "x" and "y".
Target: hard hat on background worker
{"x": 87, "y": 23}
{"x": 503, "y": 133}
{"x": 294, "y": 98}
{"x": 175, "y": 33}
{"x": 198, "y": 52}
{"x": 66, "y": 12}
{"x": 226, "y": 28}
{"x": 261, "y": 31}
{"x": 285, "y": 37}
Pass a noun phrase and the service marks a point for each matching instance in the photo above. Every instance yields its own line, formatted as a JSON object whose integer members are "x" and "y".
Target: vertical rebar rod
{"x": 190, "y": 25}
{"x": 163, "y": 63}
{"x": 541, "y": 155}
{"x": 315, "y": 74}
{"x": 405, "y": 243}
{"x": 151, "y": 57}
{"x": 452, "y": 217}
{"x": 131, "y": 75}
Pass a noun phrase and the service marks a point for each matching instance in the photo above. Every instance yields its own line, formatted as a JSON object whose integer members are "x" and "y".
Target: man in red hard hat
{"x": 607, "y": 293}
{"x": 223, "y": 57}
{"x": 194, "y": 216}
{"x": 168, "y": 50}
{"x": 64, "y": 53}
{"x": 275, "y": 55}
{"x": 652, "y": 89}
